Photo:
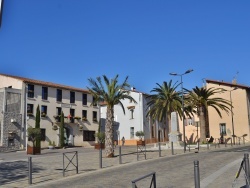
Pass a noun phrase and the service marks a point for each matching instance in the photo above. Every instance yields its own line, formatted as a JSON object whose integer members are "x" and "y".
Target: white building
{"x": 135, "y": 120}
{"x": 81, "y": 124}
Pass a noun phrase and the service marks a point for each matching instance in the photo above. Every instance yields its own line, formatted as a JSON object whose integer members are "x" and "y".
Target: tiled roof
{"x": 48, "y": 84}
{"x": 227, "y": 84}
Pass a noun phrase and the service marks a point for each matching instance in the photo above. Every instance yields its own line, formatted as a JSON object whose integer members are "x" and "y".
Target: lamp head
{"x": 188, "y": 71}
{"x": 173, "y": 73}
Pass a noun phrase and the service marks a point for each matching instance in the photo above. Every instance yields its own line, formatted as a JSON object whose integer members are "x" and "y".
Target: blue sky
{"x": 69, "y": 41}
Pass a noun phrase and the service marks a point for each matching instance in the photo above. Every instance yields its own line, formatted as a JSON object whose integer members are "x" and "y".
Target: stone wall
{"x": 11, "y": 131}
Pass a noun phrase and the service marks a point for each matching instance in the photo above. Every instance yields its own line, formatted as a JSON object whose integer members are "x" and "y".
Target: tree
{"x": 201, "y": 99}
{"x": 62, "y": 131}
{"x": 165, "y": 100}
{"x": 37, "y": 125}
{"x": 33, "y": 134}
{"x": 111, "y": 93}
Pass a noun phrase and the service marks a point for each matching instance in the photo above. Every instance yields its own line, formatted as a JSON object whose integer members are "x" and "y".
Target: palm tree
{"x": 111, "y": 93}
{"x": 165, "y": 100}
{"x": 201, "y": 99}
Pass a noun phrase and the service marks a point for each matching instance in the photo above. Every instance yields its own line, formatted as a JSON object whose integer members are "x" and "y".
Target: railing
{"x": 70, "y": 161}
{"x": 152, "y": 183}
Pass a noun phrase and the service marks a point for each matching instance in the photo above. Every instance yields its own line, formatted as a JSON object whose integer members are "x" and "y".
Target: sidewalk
{"x": 47, "y": 167}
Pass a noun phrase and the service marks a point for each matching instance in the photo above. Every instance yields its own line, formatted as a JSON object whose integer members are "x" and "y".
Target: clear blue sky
{"x": 69, "y": 41}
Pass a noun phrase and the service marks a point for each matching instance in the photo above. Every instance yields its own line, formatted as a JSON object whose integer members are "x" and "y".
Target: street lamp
{"x": 232, "y": 115}
{"x": 182, "y": 101}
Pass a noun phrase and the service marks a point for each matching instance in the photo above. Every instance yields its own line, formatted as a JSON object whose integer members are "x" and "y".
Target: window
{"x": 132, "y": 132}
{"x": 132, "y": 114}
{"x": 94, "y": 102}
{"x": 43, "y": 134}
{"x": 72, "y": 97}
{"x": 84, "y": 114}
{"x": 94, "y": 116}
{"x": 43, "y": 111}
{"x": 223, "y": 129}
{"x": 72, "y": 114}
{"x": 84, "y": 99}
{"x": 44, "y": 93}
{"x": 30, "y": 91}
{"x": 58, "y": 113}
{"x": 59, "y": 95}
{"x": 88, "y": 135}
{"x": 29, "y": 109}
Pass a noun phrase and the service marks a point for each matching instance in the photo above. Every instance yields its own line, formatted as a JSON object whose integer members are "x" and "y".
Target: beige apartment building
{"x": 81, "y": 119}
{"x": 237, "y": 121}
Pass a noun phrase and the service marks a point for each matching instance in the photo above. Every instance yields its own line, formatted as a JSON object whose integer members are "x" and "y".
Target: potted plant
{"x": 43, "y": 114}
{"x": 54, "y": 127}
{"x": 33, "y": 134}
{"x": 51, "y": 145}
{"x": 84, "y": 118}
{"x": 101, "y": 140}
{"x": 30, "y": 114}
{"x": 57, "y": 117}
{"x": 77, "y": 117}
{"x": 80, "y": 128}
{"x": 140, "y": 134}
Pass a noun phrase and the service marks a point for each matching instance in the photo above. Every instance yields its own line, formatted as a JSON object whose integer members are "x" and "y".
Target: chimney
{"x": 132, "y": 88}
{"x": 234, "y": 81}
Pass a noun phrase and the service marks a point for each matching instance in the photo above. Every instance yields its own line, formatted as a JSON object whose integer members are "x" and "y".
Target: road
{"x": 217, "y": 169}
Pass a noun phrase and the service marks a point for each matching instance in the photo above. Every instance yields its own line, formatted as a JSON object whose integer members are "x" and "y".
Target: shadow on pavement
{"x": 14, "y": 171}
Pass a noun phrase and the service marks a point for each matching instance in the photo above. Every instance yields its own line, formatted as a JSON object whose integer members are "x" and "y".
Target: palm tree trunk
{"x": 202, "y": 124}
{"x": 109, "y": 144}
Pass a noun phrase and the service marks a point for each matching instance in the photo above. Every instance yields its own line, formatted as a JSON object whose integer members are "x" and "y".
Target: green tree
{"x": 165, "y": 100}
{"x": 37, "y": 125}
{"x": 111, "y": 93}
{"x": 34, "y": 134}
{"x": 202, "y": 98}
{"x": 62, "y": 131}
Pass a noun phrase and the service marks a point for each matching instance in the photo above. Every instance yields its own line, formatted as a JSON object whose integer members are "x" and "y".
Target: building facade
{"x": 237, "y": 121}
{"x": 135, "y": 119}
{"x": 81, "y": 118}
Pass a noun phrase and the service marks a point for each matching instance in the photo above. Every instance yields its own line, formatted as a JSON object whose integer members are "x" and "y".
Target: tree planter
{"x": 140, "y": 143}
{"x": 98, "y": 145}
{"x": 33, "y": 150}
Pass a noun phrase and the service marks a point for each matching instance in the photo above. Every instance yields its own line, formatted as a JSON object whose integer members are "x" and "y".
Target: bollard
{"x": 189, "y": 147}
{"x": 246, "y": 160}
{"x": 196, "y": 174}
{"x": 172, "y": 148}
{"x": 225, "y": 142}
{"x": 231, "y": 142}
{"x": 77, "y": 162}
{"x": 198, "y": 145}
{"x": 159, "y": 149}
{"x": 100, "y": 157}
{"x": 30, "y": 170}
{"x": 120, "y": 155}
{"x": 244, "y": 140}
{"x": 207, "y": 145}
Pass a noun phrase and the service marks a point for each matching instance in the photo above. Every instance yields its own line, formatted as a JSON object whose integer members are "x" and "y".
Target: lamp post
{"x": 232, "y": 115}
{"x": 182, "y": 103}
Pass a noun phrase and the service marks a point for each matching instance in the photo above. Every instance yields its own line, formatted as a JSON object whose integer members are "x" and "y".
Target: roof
{"x": 227, "y": 84}
{"x": 48, "y": 84}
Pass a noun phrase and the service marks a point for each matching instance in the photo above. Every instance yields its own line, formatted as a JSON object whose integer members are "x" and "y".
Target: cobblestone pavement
{"x": 218, "y": 167}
